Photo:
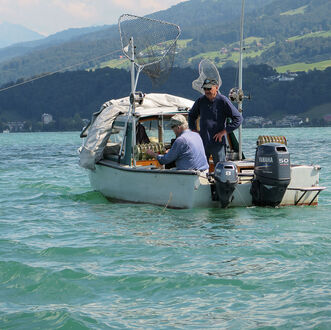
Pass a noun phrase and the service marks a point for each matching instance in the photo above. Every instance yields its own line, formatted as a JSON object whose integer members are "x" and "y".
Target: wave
{"x": 53, "y": 318}
{"x": 89, "y": 196}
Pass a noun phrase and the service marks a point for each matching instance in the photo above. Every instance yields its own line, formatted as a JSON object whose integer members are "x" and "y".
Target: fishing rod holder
{"x": 237, "y": 95}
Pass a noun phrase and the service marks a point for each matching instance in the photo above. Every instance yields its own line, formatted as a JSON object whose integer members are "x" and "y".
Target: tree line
{"x": 72, "y": 96}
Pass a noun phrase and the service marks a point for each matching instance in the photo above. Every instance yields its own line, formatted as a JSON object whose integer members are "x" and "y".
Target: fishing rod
{"x": 58, "y": 71}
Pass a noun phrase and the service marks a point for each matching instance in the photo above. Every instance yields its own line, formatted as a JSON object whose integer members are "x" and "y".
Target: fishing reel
{"x": 137, "y": 97}
{"x": 237, "y": 95}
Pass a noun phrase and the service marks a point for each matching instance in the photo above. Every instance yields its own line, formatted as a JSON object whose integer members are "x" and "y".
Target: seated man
{"x": 187, "y": 150}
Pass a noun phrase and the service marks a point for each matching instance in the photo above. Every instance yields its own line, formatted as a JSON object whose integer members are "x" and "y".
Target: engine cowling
{"x": 272, "y": 174}
{"x": 226, "y": 179}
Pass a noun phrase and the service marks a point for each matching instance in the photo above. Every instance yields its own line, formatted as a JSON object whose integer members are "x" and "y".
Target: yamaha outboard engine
{"x": 226, "y": 179}
{"x": 272, "y": 174}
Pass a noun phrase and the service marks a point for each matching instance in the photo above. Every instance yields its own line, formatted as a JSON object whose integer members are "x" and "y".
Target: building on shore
{"x": 46, "y": 118}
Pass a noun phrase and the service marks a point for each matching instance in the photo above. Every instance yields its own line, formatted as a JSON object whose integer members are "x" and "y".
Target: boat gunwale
{"x": 112, "y": 164}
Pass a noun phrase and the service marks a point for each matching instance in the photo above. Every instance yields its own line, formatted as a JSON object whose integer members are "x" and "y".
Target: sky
{"x": 50, "y": 16}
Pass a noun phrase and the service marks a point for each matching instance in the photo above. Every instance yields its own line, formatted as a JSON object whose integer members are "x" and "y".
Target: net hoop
{"x": 125, "y": 45}
{"x": 207, "y": 69}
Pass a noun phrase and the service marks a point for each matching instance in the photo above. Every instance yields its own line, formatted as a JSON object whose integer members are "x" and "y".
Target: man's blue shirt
{"x": 213, "y": 116}
{"x": 187, "y": 151}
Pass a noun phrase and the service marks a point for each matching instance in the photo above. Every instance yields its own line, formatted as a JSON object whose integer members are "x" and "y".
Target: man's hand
{"x": 218, "y": 136}
{"x": 151, "y": 153}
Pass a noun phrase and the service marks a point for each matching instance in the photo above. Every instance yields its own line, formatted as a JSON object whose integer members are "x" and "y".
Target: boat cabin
{"x": 152, "y": 132}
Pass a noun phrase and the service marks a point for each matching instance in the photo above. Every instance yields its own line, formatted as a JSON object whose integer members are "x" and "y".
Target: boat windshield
{"x": 158, "y": 130}
{"x": 114, "y": 142}
{"x": 116, "y": 134}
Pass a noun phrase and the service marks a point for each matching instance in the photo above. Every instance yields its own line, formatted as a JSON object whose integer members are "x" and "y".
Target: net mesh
{"x": 207, "y": 69}
{"x": 154, "y": 44}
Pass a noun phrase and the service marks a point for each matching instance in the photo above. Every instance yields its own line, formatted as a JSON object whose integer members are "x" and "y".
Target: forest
{"x": 72, "y": 96}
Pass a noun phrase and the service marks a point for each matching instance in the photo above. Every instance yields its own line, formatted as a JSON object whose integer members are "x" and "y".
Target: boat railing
{"x": 305, "y": 190}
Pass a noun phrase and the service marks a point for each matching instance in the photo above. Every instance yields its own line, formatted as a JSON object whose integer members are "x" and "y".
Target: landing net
{"x": 154, "y": 44}
{"x": 207, "y": 69}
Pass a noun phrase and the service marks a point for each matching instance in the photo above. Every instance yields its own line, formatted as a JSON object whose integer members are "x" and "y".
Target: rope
{"x": 58, "y": 71}
{"x": 170, "y": 198}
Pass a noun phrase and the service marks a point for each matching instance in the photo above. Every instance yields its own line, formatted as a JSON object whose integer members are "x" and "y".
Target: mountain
{"x": 217, "y": 10}
{"x": 22, "y": 48}
{"x": 14, "y": 33}
{"x": 96, "y": 44}
{"x": 277, "y": 32}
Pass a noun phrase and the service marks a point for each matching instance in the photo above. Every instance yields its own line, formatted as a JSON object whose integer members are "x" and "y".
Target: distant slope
{"x": 274, "y": 31}
{"x": 80, "y": 50}
{"x": 14, "y": 33}
{"x": 196, "y": 16}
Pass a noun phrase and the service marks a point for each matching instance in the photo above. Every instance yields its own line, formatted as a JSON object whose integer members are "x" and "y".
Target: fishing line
{"x": 58, "y": 71}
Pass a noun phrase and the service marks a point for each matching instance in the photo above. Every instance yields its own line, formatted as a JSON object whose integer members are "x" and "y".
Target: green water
{"x": 70, "y": 259}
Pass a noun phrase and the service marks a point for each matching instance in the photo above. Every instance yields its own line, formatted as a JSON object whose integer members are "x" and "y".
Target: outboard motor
{"x": 226, "y": 179}
{"x": 272, "y": 174}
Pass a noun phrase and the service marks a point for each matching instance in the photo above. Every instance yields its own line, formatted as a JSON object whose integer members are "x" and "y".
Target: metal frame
{"x": 135, "y": 77}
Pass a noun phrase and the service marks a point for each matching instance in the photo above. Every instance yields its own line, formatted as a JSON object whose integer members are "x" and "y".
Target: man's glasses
{"x": 206, "y": 89}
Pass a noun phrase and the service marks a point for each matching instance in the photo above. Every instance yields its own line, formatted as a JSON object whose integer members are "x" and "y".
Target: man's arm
{"x": 170, "y": 156}
{"x": 234, "y": 114}
{"x": 193, "y": 116}
{"x": 236, "y": 119}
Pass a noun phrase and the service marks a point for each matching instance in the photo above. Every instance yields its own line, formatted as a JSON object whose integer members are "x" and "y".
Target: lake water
{"x": 70, "y": 259}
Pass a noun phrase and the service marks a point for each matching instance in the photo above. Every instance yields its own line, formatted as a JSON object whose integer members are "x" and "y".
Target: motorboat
{"x": 115, "y": 143}
{"x": 131, "y": 175}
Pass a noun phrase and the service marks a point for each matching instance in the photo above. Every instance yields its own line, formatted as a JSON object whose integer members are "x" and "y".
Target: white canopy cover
{"x": 154, "y": 103}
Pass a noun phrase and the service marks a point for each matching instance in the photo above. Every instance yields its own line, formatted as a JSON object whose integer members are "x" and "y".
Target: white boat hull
{"x": 189, "y": 189}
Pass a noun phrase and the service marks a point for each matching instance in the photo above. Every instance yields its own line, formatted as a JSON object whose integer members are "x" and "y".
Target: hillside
{"x": 280, "y": 33}
{"x": 178, "y": 14}
{"x": 277, "y": 32}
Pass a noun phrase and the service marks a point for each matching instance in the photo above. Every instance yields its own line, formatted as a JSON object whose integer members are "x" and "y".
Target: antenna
{"x": 236, "y": 94}
{"x": 240, "y": 73}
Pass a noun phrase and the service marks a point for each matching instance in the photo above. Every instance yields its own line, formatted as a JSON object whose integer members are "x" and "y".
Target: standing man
{"x": 187, "y": 150}
{"x": 214, "y": 109}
